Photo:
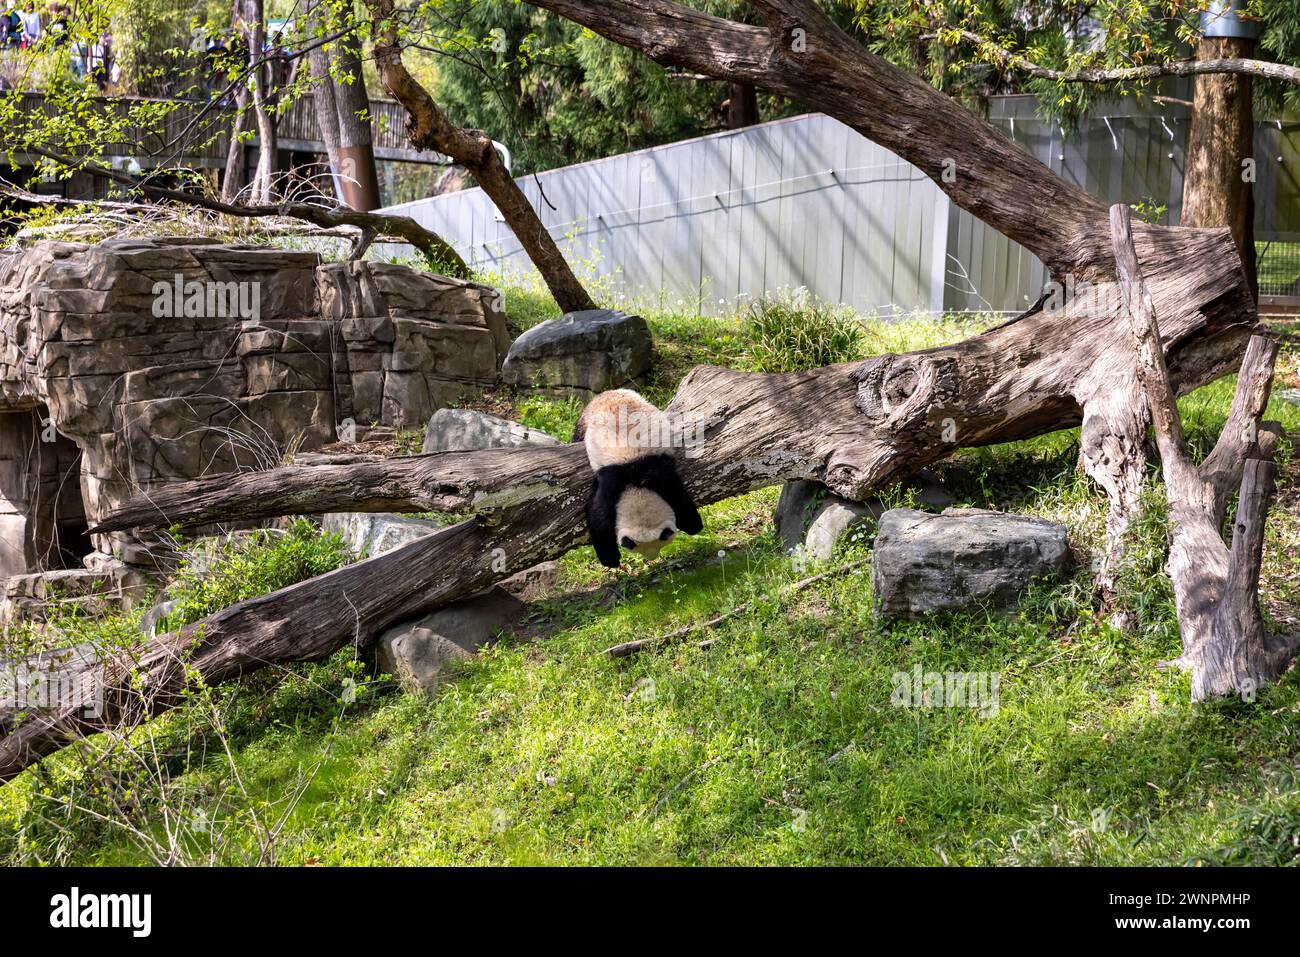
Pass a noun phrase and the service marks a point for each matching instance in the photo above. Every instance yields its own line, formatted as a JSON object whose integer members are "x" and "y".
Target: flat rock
{"x": 963, "y": 558}
{"x": 580, "y": 352}
{"x": 420, "y": 653}
{"x": 463, "y": 430}
{"x": 42, "y": 596}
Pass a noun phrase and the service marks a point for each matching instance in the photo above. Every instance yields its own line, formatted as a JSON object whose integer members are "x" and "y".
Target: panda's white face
{"x": 644, "y": 522}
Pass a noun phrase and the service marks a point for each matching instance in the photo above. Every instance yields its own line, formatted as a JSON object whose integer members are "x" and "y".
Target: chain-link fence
{"x": 1279, "y": 265}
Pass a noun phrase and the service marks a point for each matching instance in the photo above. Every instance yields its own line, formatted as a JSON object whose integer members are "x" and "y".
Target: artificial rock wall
{"x": 148, "y": 395}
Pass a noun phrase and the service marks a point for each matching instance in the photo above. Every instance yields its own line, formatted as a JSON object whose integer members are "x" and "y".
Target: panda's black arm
{"x": 663, "y": 480}
{"x": 602, "y": 507}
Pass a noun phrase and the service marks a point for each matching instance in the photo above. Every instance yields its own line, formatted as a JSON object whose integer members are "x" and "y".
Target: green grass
{"x": 778, "y": 744}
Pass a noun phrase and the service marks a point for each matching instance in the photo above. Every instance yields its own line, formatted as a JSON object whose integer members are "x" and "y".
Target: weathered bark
{"x": 1112, "y": 450}
{"x": 267, "y": 146}
{"x": 430, "y": 129}
{"x": 1216, "y": 189}
{"x": 1216, "y": 589}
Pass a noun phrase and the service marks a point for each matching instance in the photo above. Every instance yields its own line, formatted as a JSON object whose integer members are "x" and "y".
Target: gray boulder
{"x": 533, "y": 583}
{"x": 810, "y": 518}
{"x": 373, "y": 533}
{"x": 926, "y": 563}
{"x": 580, "y": 352}
{"x": 463, "y": 430}
{"x": 836, "y": 519}
{"x": 150, "y": 619}
{"x": 420, "y": 653}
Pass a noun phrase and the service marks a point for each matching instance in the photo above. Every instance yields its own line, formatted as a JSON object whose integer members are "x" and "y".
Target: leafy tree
{"x": 558, "y": 94}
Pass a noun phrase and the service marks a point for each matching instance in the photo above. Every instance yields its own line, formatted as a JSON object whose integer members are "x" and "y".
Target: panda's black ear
{"x": 602, "y": 510}
{"x": 664, "y": 481}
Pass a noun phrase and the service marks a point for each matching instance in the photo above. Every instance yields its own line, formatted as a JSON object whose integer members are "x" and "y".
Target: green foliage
{"x": 555, "y": 417}
{"x": 252, "y": 565}
{"x": 556, "y": 93}
{"x": 791, "y": 332}
{"x": 1149, "y": 211}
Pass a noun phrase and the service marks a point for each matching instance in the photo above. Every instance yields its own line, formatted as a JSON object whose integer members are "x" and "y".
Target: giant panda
{"x": 637, "y": 501}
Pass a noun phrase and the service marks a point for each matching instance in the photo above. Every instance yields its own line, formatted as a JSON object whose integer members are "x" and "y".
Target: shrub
{"x": 793, "y": 332}
{"x": 247, "y": 567}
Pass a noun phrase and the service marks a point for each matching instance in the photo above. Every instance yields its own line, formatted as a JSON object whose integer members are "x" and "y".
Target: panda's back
{"x": 618, "y": 427}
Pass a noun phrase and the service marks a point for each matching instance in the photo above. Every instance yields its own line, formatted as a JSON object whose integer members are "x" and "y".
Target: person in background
{"x": 11, "y": 26}
{"x": 215, "y": 65}
{"x": 59, "y": 25}
{"x": 31, "y": 21}
{"x": 100, "y": 61}
{"x": 79, "y": 57}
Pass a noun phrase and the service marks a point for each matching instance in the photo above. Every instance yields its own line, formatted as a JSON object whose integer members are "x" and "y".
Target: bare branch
{"x": 1147, "y": 71}
{"x": 437, "y": 249}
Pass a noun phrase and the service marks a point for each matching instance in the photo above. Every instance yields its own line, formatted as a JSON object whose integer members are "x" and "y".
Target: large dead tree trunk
{"x": 267, "y": 146}
{"x": 857, "y": 427}
{"x": 342, "y": 109}
{"x": 1217, "y": 188}
{"x": 1216, "y": 588}
{"x": 430, "y": 129}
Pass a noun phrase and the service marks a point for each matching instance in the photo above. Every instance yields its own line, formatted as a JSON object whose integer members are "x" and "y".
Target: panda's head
{"x": 643, "y": 522}
{"x": 638, "y": 507}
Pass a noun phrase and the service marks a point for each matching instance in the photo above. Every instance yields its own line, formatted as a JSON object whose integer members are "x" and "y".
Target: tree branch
{"x": 437, "y": 249}
{"x": 429, "y": 129}
{"x": 1147, "y": 71}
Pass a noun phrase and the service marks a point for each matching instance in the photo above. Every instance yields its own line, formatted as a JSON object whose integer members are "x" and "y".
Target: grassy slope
{"x": 777, "y": 745}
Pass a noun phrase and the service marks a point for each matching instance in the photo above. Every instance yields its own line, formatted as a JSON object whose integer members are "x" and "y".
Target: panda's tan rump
{"x": 619, "y": 426}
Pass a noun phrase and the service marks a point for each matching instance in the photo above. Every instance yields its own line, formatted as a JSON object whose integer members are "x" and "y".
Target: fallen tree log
{"x": 858, "y": 427}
